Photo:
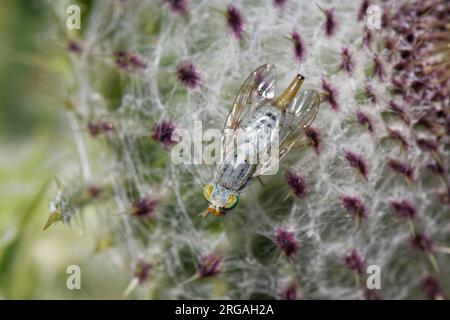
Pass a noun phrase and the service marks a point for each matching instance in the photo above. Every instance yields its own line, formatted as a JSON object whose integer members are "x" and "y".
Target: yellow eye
{"x": 207, "y": 191}
{"x": 231, "y": 201}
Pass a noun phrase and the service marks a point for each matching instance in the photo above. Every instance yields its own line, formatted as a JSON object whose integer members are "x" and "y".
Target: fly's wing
{"x": 298, "y": 117}
{"x": 257, "y": 90}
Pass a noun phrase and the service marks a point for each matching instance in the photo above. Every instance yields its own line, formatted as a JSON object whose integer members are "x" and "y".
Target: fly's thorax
{"x": 267, "y": 117}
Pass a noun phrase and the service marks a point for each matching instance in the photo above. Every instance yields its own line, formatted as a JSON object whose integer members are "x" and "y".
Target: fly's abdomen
{"x": 250, "y": 142}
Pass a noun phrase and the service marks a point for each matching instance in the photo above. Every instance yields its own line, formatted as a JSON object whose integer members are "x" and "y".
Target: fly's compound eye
{"x": 207, "y": 191}
{"x": 232, "y": 201}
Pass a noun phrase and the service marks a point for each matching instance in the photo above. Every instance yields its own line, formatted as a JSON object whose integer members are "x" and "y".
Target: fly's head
{"x": 219, "y": 199}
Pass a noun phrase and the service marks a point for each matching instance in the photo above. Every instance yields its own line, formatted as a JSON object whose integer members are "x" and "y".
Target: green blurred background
{"x": 35, "y": 146}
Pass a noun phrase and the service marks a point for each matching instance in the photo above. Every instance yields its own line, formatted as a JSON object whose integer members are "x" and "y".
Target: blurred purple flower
{"x": 188, "y": 75}
{"x": 422, "y": 242}
{"x": 99, "y": 126}
{"x": 209, "y": 265}
{"x": 394, "y": 107}
{"x": 129, "y": 61}
{"x": 314, "y": 139}
{"x": 362, "y": 11}
{"x": 144, "y": 208}
{"x": 94, "y": 191}
{"x": 371, "y": 294}
{"x": 403, "y": 209}
{"x": 354, "y": 261}
{"x": 329, "y": 25}
{"x": 299, "y": 49}
{"x": 364, "y": 120}
{"x": 370, "y": 94}
{"x": 401, "y": 167}
{"x": 142, "y": 270}
{"x": 235, "y": 21}
{"x": 74, "y": 47}
{"x": 286, "y": 241}
{"x": 427, "y": 144}
{"x": 163, "y": 131}
{"x": 177, "y": 6}
{"x": 356, "y": 161}
{"x": 279, "y": 3}
{"x": 330, "y": 95}
{"x": 378, "y": 69}
{"x": 431, "y": 287}
{"x": 290, "y": 291}
{"x": 347, "y": 63}
{"x": 367, "y": 38}
{"x": 354, "y": 206}
{"x": 296, "y": 183}
{"x": 397, "y": 136}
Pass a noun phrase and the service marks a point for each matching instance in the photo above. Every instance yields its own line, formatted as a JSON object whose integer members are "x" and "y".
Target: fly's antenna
{"x": 289, "y": 93}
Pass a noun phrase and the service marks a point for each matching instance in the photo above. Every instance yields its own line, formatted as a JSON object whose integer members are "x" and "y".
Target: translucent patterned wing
{"x": 254, "y": 93}
{"x": 299, "y": 115}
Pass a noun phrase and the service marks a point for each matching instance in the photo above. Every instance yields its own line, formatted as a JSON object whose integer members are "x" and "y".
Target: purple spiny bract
{"x": 330, "y": 95}
{"x": 401, "y": 167}
{"x": 403, "y": 209}
{"x": 163, "y": 131}
{"x": 209, "y": 265}
{"x": 188, "y": 75}
{"x": 397, "y": 136}
{"x": 97, "y": 127}
{"x": 356, "y": 161}
{"x": 296, "y": 183}
{"x": 314, "y": 139}
{"x": 394, "y": 107}
{"x": 144, "y": 208}
{"x": 427, "y": 144}
{"x": 142, "y": 270}
{"x": 363, "y": 10}
{"x": 177, "y": 6}
{"x": 378, "y": 68}
{"x": 370, "y": 93}
{"x": 299, "y": 49}
{"x": 364, "y": 120}
{"x": 354, "y": 261}
{"x": 347, "y": 63}
{"x": 431, "y": 287}
{"x": 329, "y": 26}
{"x": 74, "y": 47}
{"x": 354, "y": 206}
{"x": 290, "y": 291}
{"x": 235, "y": 21}
{"x": 129, "y": 61}
{"x": 286, "y": 241}
{"x": 421, "y": 242}
{"x": 279, "y": 3}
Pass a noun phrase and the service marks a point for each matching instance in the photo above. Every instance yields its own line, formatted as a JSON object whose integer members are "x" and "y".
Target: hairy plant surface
{"x": 370, "y": 188}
